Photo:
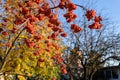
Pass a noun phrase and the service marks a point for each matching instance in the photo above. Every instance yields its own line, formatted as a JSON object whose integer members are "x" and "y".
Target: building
{"x": 107, "y": 73}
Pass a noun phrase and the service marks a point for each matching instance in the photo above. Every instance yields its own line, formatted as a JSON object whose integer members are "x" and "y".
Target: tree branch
{"x": 112, "y": 57}
{"x": 8, "y": 52}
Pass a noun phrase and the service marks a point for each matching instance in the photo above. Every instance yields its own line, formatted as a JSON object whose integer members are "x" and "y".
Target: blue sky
{"x": 112, "y": 7}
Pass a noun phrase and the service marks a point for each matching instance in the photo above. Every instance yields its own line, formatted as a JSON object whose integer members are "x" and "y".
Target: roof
{"x": 111, "y": 67}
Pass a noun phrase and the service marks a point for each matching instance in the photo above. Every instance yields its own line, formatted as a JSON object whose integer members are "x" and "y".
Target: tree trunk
{"x": 91, "y": 75}
{"x": 85, "y": 73}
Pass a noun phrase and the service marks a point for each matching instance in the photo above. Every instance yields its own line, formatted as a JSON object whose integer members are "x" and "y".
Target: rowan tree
{"x": 30, "y": 33}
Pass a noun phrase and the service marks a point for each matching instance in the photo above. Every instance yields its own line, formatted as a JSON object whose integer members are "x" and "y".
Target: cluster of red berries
{"x": 91, "y": 14}
{"x": 29, "y": 43}
{"x": 63, "y": 69}
{"x": 76, "y": 28}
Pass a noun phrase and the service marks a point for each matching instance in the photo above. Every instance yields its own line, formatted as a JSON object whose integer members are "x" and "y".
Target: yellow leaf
{"x": 21, "y": 78}
{"x": 42, "y": 64}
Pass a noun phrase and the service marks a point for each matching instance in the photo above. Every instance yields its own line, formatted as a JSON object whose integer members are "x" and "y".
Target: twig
{"x": 84, "y": 8}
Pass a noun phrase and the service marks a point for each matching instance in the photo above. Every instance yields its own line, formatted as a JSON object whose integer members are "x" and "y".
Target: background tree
{"x": 90, "y": 50}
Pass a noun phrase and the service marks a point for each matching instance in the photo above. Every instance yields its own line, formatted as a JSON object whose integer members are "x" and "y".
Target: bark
{"x": 91, "y": 75}
{"x": 85, "y": 72}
